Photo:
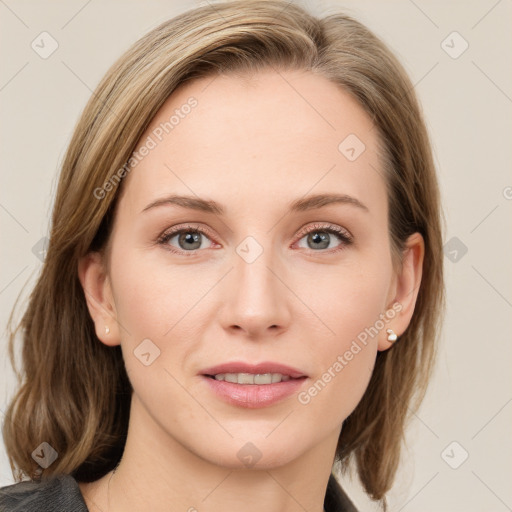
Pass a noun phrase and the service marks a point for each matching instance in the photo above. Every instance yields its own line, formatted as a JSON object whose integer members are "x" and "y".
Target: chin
{"x": 253, "y": 456}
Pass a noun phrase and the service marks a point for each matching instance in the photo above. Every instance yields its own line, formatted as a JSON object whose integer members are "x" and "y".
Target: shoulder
{"x": 57, "y": 494}
{"x": 336, "y": 500}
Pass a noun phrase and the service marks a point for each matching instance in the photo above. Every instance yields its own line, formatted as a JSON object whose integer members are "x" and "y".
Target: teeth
{"x": 250, "y": 378}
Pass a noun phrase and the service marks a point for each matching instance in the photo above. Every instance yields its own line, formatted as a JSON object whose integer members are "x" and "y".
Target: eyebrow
{"x": 299, "y": 205}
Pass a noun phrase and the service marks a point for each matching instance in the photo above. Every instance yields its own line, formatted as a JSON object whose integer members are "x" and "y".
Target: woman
{"x": 243, "y": 285}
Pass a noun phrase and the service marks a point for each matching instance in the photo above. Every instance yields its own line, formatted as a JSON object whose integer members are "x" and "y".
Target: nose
{"x": 256, "y": 297}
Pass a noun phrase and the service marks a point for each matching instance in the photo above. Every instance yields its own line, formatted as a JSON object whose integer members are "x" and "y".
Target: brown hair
{"x": 74, "y": 392}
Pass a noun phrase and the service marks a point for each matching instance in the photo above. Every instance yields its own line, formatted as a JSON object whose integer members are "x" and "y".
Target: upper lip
{"x": 265, "y": 367}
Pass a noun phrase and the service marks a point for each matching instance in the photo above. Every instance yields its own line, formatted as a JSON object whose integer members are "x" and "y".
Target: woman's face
{"x": 261, "y": 282}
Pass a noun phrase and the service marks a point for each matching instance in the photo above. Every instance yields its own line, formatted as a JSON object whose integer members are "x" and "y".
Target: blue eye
{"x": 320, "y": 237}
{"x": 190, "y": 238}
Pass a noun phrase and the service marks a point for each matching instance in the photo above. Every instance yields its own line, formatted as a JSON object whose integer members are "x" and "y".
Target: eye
{"x": 188, "y": 239}
{"x": 320, "y": 237}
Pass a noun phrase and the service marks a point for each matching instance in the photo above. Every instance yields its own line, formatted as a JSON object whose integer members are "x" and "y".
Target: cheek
{"x": 157, "y": 306}
{"x": 152, "y": 298}
{"x": 345, "y": 298}
{"x": 338, "y": 309}
{"x": 152, "y": 303}
{"x": 345, "y": 359}
{"x": 352, "y": 309}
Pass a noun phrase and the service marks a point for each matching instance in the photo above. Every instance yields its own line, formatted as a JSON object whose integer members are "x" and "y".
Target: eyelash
{"x": 343, "y": 236}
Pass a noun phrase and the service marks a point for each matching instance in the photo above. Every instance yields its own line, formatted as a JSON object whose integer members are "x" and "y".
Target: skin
{"x": 253, "y": 145}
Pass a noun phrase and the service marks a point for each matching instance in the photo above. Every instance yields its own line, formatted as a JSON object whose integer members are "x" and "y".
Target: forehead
{"x": 269, "y": 136}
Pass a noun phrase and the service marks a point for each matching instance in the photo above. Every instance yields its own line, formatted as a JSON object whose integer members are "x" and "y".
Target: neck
{"x": 159, "y": 473}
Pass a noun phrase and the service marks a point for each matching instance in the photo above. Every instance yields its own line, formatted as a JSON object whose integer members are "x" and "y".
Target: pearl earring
{"x": 392, "y": 337}
{"x": 107, "y": 329}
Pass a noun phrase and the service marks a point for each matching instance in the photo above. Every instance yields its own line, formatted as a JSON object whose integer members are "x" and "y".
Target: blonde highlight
{"x": 74, "y": 392}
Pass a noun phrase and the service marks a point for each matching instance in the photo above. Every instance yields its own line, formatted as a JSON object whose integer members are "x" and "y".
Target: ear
{"x": 98, "y": 294}
{"x": 405, "y": 289}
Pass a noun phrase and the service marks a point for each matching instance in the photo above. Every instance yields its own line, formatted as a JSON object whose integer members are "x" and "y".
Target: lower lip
{"x": 253, "y": 396}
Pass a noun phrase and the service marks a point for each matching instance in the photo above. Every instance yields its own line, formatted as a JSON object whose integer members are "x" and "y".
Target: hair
{"x": 73, "y": 391}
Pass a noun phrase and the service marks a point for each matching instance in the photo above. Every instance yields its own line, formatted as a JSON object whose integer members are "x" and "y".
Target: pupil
{"x": 319, "y": 238}
{"x": 190, "y": 238}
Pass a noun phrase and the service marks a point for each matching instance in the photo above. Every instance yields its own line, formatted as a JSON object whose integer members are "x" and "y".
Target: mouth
{"x": 253, "y": 386}
{"x": 253, "y": 378}
{"x": 245, "y": 373}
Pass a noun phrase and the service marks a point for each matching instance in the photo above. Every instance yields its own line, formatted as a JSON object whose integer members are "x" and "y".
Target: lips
{"x": 261, "y": 368}
{"x": 247, "y": 385}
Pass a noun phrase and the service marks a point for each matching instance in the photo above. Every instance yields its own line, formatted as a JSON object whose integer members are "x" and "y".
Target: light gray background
{"x": 467, "y": 103}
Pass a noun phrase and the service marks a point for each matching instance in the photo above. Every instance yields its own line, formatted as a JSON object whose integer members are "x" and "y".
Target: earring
{"x": 107, "y": 329}
{"x": 392, "y": 337}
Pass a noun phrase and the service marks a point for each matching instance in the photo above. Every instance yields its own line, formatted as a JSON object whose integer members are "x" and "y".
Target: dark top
{"x": 62, "y": 494}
